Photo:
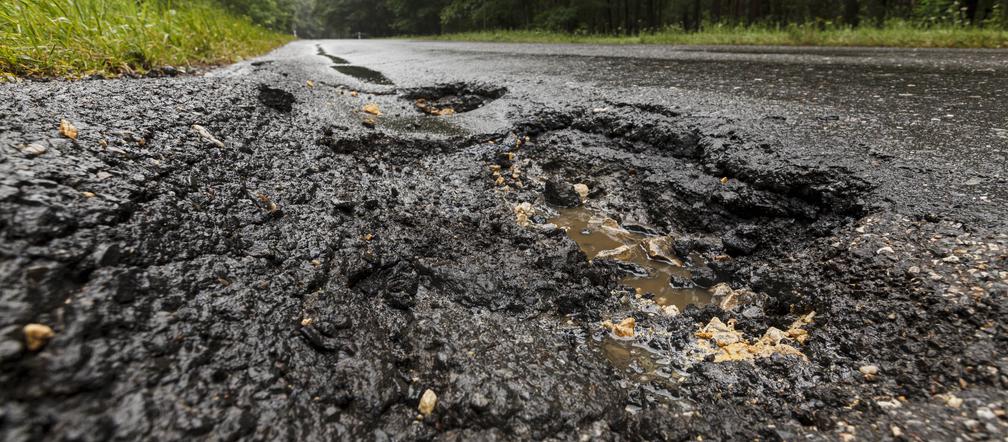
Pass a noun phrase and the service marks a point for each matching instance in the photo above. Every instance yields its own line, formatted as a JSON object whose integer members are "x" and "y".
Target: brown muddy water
{"x": 639, "y": 361}
{"x": 600, "y": 236}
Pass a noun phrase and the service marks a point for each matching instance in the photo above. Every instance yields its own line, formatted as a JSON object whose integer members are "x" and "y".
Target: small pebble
{"x": 986, "y": 414}
{"x": 896, "y": 431}
{"x": 33, "y": 150}
{"x": 954, "y": 402}
{"x": 37, "y": 336}
{"x": 427, "y": 402}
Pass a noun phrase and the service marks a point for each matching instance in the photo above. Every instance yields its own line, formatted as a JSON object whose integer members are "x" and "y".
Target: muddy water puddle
{"x": 642, "y": 363}
{"x": 647, "y": 271}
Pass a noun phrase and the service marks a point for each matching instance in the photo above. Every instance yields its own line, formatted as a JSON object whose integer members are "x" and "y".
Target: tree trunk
{"x": 626, "y": 16}
{"x": 881, "y": 8}
{"x": 852, "y": 13}
{"x": 609, "y": 6}
{"x": 971, "y": 11}
{"x": 716, "y": 11}
{"x": 697, "y": 17}
{"x": 637, "y": 17}
{"x": 754, "y": 11}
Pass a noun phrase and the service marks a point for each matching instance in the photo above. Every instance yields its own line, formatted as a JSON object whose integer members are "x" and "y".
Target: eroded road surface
{"x": 559, "y": 242}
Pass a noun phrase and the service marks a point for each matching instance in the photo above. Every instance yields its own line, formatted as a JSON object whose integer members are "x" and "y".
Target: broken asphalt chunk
{"x": 561, "y": 193}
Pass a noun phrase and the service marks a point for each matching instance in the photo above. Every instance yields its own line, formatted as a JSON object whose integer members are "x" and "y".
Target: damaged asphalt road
{"x": 298, "y": 247}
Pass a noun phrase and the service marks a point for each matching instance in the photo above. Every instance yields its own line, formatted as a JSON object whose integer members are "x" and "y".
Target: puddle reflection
{"x": 599, "y": 236}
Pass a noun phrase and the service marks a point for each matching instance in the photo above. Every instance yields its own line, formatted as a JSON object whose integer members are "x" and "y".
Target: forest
{"x": 378, "y": 18}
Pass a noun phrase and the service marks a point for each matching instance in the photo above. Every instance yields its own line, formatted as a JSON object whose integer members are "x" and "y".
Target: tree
{"x": 852, "y": 13}
{"x": 345, "y": 18}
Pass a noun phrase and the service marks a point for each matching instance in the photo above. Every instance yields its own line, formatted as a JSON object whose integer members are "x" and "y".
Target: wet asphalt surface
{"x": 297, "y": 268}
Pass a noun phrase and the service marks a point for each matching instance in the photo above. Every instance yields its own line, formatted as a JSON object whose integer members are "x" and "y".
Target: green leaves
{"x": 76, "y": 38}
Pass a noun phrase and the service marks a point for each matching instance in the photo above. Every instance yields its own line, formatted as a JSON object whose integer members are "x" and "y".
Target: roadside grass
{"x": 893, "y": 35}
{"x": 78, "y": 38}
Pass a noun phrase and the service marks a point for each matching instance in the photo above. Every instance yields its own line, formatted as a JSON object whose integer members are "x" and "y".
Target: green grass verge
{"x": 891, "y": 36}
{"x": 76, "y": 38}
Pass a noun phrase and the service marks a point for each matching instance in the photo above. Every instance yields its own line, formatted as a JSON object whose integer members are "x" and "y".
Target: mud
{"x": 310, "y": 277}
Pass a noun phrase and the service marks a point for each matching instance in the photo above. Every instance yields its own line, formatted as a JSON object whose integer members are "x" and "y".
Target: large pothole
{"x": 453, "y": 98}
{"x": 689, "y": 237}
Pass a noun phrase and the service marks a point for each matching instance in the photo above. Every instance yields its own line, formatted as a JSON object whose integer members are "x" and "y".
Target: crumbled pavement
{"x": 240, "y": 256}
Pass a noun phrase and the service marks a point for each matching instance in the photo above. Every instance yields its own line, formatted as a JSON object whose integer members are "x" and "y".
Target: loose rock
{"x": 728, "y": 344}
{"x": 661, "y": 248}
{"x": 670, "y": 310}
{"x": 869, "y": 371}
{"x": 523, "y": 212}
{"x": 624, "y": 329}
{"x": 728, "y": 299}
{"x": 561, "y": 193}
{"x": 621, "y": 253}
{"x": 427, "y": 402}
{"x": 372, "y": 109}
{"x": 37, "y": 336}
{"x": 953, "y": 402}
{"x": 67, "y": 129}
{"x": 206, "y": 135}
{"x": 33, "y": 150}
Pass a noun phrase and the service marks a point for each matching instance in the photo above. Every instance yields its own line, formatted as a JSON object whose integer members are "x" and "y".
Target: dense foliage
{"x": 80, "y": 37}
{"x": 342, "y": 18}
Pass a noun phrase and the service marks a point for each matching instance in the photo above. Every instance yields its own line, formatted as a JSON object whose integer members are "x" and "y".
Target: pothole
{"x": 649, "y": 261}
{"x": 363, "y": 74}
{"x": 421, "y": 124}
{"x": 453, "y": 98}
{"x": 277, "y": 99}
{"x": 636, "y": 359}
{"x": 360, "y": 73}
{"x": 333, "y": 58}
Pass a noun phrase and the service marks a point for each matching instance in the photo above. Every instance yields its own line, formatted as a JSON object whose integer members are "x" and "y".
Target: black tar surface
{"x": 304, "y": 270}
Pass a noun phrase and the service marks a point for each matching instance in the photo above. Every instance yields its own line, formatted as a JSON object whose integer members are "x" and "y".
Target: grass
{"x": 893, "y": 35}
{"x": 77, "y": 38}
